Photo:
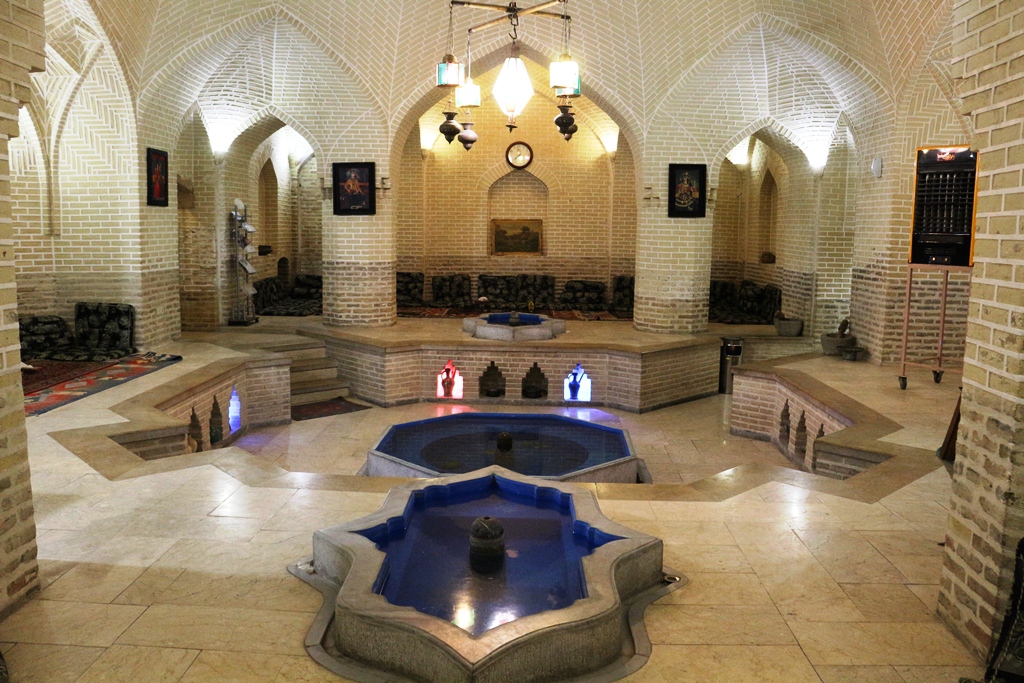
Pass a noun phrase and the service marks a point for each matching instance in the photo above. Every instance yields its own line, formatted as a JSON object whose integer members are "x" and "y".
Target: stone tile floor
{"x": 179, "y": 576}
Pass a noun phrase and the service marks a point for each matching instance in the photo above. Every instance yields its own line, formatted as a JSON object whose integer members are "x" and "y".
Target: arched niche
{"x": 780, "y": 222}
{"x": 269, "y": 216}
{"x": 33, "y": 240}
{"x": 767, "y": 219}
{"x": 445, "y": 196}
{"x": 516, "y": 196}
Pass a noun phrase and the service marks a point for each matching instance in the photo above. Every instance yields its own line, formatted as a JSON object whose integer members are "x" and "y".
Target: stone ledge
{"x": 881, "y": 467}
{"x": 116, "y": 450}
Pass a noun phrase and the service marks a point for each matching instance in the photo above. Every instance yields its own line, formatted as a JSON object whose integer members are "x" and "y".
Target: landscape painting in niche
{"x": 687, "y": 190}
{"x": 156, "y": 177}
{"x": 353, "y": 189}
{"x": 517, "y": 236}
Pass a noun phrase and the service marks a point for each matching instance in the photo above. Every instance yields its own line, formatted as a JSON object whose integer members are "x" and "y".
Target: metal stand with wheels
{"x": 935, "y": 364}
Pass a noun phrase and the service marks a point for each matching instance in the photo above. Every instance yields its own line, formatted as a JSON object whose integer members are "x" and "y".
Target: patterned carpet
{"x": 334, "y": 406}
{"x": 50, "y": 372}
{"x": 94, "y": 380}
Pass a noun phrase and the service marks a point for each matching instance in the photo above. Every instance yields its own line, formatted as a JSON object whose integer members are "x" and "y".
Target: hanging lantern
{"x": 513, "y": 88}
{"x": 565, "y": 73}
{"x": 570, "y": 91}
{"x": 449, "y": 128}
{"x": 450, "y": 73}
{"x": 468, "y": 136}
{"x": 467, "y": 94}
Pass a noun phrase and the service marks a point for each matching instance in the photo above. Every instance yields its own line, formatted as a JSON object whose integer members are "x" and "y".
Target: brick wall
{"x": 310, "y": 208}
{"x": 762, "y": 404}
{"x": 986, "y": 519}
{"x": 632, "y": 381}
{"x": 21, "y": 51}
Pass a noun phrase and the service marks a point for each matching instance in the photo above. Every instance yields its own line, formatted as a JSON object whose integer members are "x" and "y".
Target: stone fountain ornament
{"x": 484, "y": 577}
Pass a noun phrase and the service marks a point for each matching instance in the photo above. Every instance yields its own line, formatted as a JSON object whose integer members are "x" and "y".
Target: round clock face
{"x": 519, "y": 155}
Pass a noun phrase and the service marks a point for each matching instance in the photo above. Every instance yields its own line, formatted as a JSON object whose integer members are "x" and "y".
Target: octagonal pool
{"x": 549, "y": 446}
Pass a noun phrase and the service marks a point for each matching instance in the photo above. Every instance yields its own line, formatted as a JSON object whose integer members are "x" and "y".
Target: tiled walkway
{"x": 180, "y": 576}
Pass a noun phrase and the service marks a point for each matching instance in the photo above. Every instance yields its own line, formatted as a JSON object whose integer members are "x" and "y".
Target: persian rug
{"x": 50, "y": 372}
{"x": 124, "y": 370}
{"x": 335, "y": 406}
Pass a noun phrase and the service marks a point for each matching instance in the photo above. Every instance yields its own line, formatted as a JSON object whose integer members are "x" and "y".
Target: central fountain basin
{"x": 500, "y": 327}
{"x": 473, "y": 633}
{"x": 428, "y": 548}
{"x": 549, "y": 446}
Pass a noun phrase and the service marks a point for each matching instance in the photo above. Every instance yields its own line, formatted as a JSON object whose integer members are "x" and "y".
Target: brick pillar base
{"x": 652, "y": 314}
{"x": 359, "y": 293}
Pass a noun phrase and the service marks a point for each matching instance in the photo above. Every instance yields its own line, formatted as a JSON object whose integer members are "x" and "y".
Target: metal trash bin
{"x": 729, "y": 357}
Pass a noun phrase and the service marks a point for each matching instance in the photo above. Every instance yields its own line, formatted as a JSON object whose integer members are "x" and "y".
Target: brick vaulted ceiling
{"x": 646, "y": 62}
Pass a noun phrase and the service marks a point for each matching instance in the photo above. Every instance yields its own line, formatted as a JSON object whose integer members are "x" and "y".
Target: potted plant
{"x": 788, "y": 327}
{"x": 833, "y": 342}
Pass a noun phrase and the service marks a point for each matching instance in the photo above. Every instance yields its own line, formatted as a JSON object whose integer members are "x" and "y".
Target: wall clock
{"x": 519, "y": 155}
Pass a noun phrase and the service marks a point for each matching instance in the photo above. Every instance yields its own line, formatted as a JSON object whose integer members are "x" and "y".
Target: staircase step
{"x": 300, "y": 350}
{"x": 852, "y": 453}
{"x": 311, "y": 369}
{"x": 318, "y": 390}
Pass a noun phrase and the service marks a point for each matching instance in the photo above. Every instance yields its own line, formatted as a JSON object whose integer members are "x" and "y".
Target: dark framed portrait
{"x": 354, "y": 193}
{"x": 156, "y": 177}
{"x": 687, "y": 190}
{"x": 525, "y": 236}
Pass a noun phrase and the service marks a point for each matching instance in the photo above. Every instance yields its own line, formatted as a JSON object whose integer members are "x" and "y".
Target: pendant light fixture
{"x": 513, "y": 88}
{"x": 467, "y": 96}
{"x": 450, "y": 73}
{"x": 565, "y": 79}
{"x": 565, "y": 73}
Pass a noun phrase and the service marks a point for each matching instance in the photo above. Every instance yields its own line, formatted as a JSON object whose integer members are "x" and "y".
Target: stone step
{"x": 318, "y": 390}
{"x": 299, "y": 350}
{"x": 310, "y": 369}
{"x": 852, "y": 453}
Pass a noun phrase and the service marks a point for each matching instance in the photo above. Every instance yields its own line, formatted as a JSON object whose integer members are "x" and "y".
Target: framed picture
{"x": 156, "y": 177}
{"x": 354, "y": 193}
{"x": 687, "y": 190}
{"x": 523, "y": 236}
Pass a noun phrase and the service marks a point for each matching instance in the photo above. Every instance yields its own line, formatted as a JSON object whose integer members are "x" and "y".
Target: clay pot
{"x": 831, "y": 343}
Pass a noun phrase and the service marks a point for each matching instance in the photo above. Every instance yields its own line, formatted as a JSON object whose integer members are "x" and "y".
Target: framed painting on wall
{"x": 353, "y": 189}
{"x": 687, "y": 190}
{"x": 523, "y": 236}
{"x": 156, "y": 177}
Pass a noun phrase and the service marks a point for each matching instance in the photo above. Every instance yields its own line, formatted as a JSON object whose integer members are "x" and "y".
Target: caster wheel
{"x": 903, "y": 383}
{"x": 937, "y": 375}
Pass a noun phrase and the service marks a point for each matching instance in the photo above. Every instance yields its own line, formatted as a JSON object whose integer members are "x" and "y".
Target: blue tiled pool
{"x": 543, "y": 445}
{"x": 427, "y": 553}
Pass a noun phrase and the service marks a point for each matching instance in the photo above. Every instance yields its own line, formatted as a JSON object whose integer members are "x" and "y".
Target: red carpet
{"x": 109, "y": 375}
{"x": 50, "y": 372}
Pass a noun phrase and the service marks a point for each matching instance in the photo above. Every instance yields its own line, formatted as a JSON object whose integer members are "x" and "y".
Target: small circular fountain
{"x": 513, "y": 327}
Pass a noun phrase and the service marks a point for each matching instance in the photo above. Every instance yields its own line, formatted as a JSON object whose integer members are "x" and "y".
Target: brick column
{"x": 359, "y": 264}
{"x": 987, "y": 516}
{"x": 21, "y": 51}
{"x": 673, "y": 267}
